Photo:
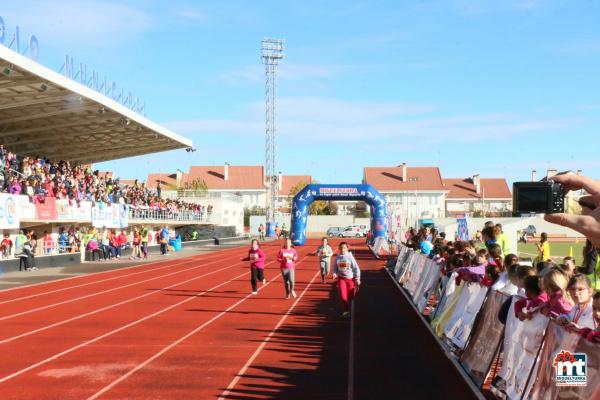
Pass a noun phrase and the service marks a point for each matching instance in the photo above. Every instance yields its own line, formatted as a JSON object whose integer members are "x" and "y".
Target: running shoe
{"x": 294, "y": 294}
{"x": 255, "y": 292}
{"x": 287, "y": 296}
{"x": 346, "y": 314}
{"x": 264, "y": 281}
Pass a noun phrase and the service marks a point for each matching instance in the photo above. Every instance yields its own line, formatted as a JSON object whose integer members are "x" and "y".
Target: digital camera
{"x": 545, "y": 197}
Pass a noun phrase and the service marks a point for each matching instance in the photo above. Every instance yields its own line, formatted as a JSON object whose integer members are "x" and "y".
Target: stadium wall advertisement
{"x": 110, "y": 216}
{"x": 9, "y": 212}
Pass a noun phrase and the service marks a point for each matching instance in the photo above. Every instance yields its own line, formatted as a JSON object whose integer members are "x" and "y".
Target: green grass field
{"x": 558, "y": 250}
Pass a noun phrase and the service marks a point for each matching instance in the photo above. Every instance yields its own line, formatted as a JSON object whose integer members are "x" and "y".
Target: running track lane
{"x": 102, "y": 359}
{"x": 55, "y": 340}
{"x": 197, "y": 349}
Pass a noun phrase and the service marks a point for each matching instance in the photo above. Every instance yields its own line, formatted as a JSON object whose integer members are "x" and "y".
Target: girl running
{"x": 287, "y": 258}
{"x": 347, "y": 272}
{"x": 257, "y": 259}
{"x": 324, "y": 253}
{"x": 135, "y": 249}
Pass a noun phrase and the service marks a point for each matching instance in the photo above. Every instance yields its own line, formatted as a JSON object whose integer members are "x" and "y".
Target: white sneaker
{"x": 255, "y": 292}
{"x": 287, "y": 296}
{"x": 346, "y": 314}
{"x": 294, "y": 294}
{"x": 264, "y": 281}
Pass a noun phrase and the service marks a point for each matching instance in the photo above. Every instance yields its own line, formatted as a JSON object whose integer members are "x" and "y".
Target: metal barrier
{"x": 466, "y": 322}
{"x": 168, "y": 216}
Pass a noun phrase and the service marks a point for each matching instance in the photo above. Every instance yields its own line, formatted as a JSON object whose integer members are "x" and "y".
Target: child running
{"x": 257, "y": 259}
{"x": 324, "y": 252}
{"x": 347, "y": 272}
{"x": 287, "y": 258}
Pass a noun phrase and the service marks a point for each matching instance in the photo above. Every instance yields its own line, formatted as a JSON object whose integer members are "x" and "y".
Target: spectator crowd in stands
{"x": 39, "y": 178}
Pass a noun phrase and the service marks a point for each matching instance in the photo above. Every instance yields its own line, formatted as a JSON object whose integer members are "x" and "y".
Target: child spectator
{"x": 6, "y": 246}
{"x": 47, "y": 243}
{"x": 593, "y": 334}
{"x": 569, "y": 266}
{"x": 554, "y": 283}
{"x": 474, "y": 273}
{"x": 581, "y": 316}
{"x": 535, "y": 298}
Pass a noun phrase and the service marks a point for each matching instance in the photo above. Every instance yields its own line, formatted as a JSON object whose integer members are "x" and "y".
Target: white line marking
{"x": 72, "y": 349}
{"x": 103, "y": 292}
{"x": 351, "y": 355}
{"x": 260, "y": 348}
{"x": 109, "y": 307}
{"x": 84, "y": 275}
{"x": 179, "y": 262}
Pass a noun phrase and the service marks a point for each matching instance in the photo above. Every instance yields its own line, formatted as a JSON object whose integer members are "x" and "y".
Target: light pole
{"x": 272, "y": 54}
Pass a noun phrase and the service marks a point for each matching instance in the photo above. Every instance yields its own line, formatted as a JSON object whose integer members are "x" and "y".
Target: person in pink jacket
{"x": 287, "y": 258}
{"x": 257, "y": 259}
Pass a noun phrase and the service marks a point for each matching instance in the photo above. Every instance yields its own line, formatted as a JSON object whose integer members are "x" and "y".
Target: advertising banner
{"x": 9, "y": 212}
{"x": 568, "y": 367}
{"x": 462, "y": 229}
{"x": 73, "y": 212}
{"x": 45, "y": 210}
{"x": 485, "y": 341}
{"x": 110, "y": 216}
{"x": 26, "y": 208}
{"x": 467, "y": 308}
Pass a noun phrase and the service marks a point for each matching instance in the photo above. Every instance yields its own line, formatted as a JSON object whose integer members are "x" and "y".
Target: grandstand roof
{"x": 390, "y": 179}
{"x": 491, "y": 188}
{"x": 45, "y": 113}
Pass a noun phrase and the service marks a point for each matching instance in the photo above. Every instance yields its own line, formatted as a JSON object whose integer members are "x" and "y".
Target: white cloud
{"x": 291, "y": 72}
{"x": 91, "y": 23}
{"x": 322, "y": 120}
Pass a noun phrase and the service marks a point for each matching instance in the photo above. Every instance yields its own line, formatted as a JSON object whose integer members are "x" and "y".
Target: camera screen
{"x": 533, "y": 199}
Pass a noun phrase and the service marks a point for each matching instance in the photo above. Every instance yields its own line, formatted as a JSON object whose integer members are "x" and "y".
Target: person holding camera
{"x": 588, "y": 223}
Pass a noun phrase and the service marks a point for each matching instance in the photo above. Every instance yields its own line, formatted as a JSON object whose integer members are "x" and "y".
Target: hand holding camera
{"x": 588, "y": 223}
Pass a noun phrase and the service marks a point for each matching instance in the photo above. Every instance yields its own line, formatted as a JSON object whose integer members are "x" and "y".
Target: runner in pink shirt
{"x": 257, "y": 259}
{"x": 287, "y": 258}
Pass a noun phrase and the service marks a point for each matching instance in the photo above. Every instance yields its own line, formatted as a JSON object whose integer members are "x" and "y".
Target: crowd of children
{"x": 558, "y": 291}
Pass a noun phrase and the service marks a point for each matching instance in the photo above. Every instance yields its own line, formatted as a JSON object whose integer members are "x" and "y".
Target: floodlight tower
{"x": 272, "y": 54}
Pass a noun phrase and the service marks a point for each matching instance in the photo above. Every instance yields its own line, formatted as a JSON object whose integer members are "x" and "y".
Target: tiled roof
{"x": 164, "y": 179}
{"x": 289, "y": 181}
{"x": 390, "y": 178}
{"x": 491, "y": 188}
{"x": 240, "y": 177}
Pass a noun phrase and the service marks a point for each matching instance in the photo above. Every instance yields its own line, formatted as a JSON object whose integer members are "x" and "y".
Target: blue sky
{"x": 490, "y": 87}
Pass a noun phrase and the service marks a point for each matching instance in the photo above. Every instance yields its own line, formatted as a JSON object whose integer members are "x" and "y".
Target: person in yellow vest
{"x": 503, "y": 241}
{"x": 591, "y": 264}
{"x": 543, "y": 248}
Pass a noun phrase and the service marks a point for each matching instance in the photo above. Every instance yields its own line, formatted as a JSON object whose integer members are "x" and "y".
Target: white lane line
{"x": 94, "y": 274}
{"x": 109, "y": 307}
{"x": 179, "y": 262}
{"x": 72, "y": 349}
{"x": 103, "y": 292}
{"x": 260, "y": 348}
{"x": 351, "y": 355}
{"x": 175, "y": 343}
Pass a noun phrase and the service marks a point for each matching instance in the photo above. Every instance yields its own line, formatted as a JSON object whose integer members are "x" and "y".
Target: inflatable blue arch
{"x": 310, "y": 193}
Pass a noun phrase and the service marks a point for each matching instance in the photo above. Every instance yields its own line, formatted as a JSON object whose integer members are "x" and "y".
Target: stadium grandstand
{"x": 52, "y": 130}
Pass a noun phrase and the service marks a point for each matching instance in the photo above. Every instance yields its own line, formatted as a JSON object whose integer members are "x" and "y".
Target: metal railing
{"x": 166, "y": 215}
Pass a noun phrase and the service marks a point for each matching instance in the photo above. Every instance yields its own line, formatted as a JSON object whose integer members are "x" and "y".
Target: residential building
{"x": 478, "y": 196}
{"x": 412, "y": 193}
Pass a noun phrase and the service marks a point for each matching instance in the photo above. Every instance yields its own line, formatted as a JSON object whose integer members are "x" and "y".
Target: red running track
{"x": 190, "y": 329}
